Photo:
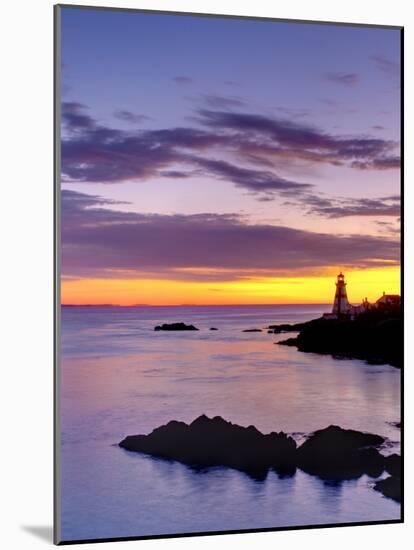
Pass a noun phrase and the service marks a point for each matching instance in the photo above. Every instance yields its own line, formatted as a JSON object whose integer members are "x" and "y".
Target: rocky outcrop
{"x": 290, "y": 342}
{"x": 331, "y": 453}
{"x": 393, "y": 465}
{"x": 376, "y": 336}
{"x": 335, "y": 453}
{"x": 175, "y": 326}
{"x": 285, "y": 327}
{"x": 390, "y": 487}
{"x": 210, "y": 442}
{"x": 252, "y": 330}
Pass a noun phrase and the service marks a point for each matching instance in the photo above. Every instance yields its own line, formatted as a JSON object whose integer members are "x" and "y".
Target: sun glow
{"x": 368, "y": 283}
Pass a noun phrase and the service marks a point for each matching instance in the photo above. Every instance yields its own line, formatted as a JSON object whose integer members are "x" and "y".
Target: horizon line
{"x": 197, "y": 305}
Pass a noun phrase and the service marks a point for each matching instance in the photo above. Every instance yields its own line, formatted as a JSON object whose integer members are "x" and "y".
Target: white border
{"x": 27, "y": 267}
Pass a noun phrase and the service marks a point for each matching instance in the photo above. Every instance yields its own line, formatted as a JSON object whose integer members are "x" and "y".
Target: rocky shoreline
{"x": 332, "y": 453}
{"x": 375, "y": 336}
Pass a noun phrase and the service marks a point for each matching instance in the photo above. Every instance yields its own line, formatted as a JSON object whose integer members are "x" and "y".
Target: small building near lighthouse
{"x": 388, "y": 300}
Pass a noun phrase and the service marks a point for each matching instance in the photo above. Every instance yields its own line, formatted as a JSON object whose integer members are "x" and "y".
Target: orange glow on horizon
{"x": 368, "y": 283}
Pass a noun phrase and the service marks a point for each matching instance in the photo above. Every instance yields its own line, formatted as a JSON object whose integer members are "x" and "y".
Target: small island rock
{"x": 175, "y": 326}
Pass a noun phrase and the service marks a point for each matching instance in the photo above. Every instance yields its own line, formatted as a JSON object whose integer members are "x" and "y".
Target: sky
{"x": 208, "y": 160}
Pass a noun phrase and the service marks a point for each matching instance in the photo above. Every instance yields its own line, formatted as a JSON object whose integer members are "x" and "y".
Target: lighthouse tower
{"x": 341, "y": 304}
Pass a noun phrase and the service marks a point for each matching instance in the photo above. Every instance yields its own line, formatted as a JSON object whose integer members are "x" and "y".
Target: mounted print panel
{"x": 228, "y": 238}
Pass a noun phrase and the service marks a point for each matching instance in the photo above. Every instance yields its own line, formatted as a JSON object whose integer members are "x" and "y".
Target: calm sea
{"x": 119, "y": 377}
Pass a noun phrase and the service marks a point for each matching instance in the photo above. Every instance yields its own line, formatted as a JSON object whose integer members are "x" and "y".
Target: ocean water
{"x": 119, "y": 377}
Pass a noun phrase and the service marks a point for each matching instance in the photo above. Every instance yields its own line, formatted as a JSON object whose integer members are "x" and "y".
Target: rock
{"x": 289, "y": 342}
{"x": 213, "y": 328}
{"x": 210, "y": 442}
{"x": 175, "y": 326}
{"x": 332, "y": 453}
{"x": 390, "y": 487}
{"x": 335, "y": 453}
{"x": 252, "y": 330}
{"x": 393, "y": 465}
{"x": 375, "y": 336}
{"x": 278, "y": 329}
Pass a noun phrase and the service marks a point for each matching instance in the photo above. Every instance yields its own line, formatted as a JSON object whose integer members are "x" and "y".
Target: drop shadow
{"x": 43, "y": 532}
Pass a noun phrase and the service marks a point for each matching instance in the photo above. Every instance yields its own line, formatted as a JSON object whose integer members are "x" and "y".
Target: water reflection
{"x": 119, "y": 377}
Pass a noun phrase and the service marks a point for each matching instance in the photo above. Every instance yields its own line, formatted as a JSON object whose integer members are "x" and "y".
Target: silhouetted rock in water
{"x": 252, "y": 330}
{"x": 393, "y": 465}
{"x": 335, "y": 453}
{"x": 278, "y": 329}
{"x": 390, "y": 487}
{"x": 375, "y": 336}
{"x": 175, "y": 326}
{"x": 332, "y": 453}
{"x": 213, "y": 328}
{"x": 210, "y": 442}
{"x": 289, "y": 342}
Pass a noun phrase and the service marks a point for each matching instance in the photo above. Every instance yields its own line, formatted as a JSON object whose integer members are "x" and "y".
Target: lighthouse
{"x": 341, "y": 305}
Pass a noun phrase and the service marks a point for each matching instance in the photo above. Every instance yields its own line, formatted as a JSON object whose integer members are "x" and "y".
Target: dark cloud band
{"x": 98, "y": 240}
{"x": 92, "y": 152}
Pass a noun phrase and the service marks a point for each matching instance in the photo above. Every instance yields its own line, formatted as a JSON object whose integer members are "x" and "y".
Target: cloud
{"x": 222, "y": 102}
{"x": 74, "y": 116}
{"x": 75, "y": 206}
{"x": 72, "y": 201}
{"x": 346, "y": 207}
{"x": 380, "y": 163}
{"x": 387, "y": 66}
{"x": 264, "y": 135}
{"x": 92, "y": 152}
{"x": 100, "y": 241}
{"x": 102, "y": 154}
{"x": 257, "y": 181}
{"x": 389, "y": 228}
{"x": 175, "y": 174}
{"x": 128, "y": 116}
{"x": 105, "y": 155}
{"x": 344, "y": 79}
{"x": 293, "y": 113}
{"x": 182, "y": 80}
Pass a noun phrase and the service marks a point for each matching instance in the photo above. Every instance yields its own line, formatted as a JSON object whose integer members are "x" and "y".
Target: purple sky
{"x": 233, "y": 131}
